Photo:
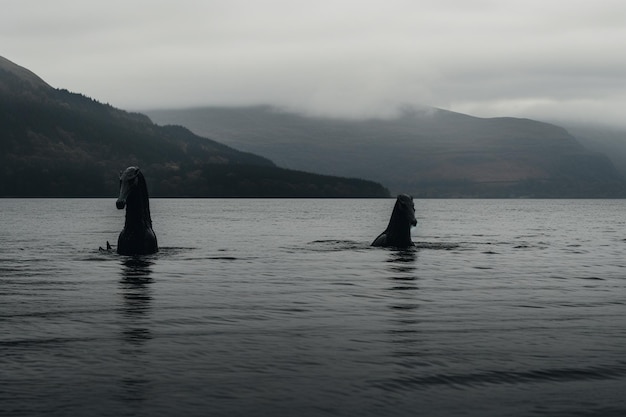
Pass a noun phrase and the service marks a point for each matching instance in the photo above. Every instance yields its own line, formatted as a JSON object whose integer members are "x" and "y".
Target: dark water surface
{"x": 280, "y": 307}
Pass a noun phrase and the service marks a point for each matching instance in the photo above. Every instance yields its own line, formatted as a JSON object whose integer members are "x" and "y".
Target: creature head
{"x": 405, "y": 209}
{"x": 130, "y": 179}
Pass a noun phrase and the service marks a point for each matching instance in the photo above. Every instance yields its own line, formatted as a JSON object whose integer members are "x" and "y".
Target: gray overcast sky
{"x": 534, "y": 58}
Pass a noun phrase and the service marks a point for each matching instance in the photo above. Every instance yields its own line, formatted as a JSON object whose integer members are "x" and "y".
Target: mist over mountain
{"x": 609, "y": 140}
{"x": 427, "y": 152}
{"x": 57, "y": 143}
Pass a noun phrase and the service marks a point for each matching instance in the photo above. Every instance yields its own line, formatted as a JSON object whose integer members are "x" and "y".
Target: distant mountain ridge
{"x": 608, "y": 140}
{"x": 427, "y": 152}
{"x": 57, "y": 143}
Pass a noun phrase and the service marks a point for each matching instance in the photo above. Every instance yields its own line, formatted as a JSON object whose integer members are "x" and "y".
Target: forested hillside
{"x": 57, "y": 143}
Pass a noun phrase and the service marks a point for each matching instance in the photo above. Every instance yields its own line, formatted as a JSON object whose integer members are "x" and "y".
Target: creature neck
{"x": 137, "y": 211}
{"x": 398, "y": 231}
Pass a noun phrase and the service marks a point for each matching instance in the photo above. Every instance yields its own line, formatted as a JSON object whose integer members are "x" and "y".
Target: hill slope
{"x": 605, "y": 139}
{"x": 57, "y": 143}
{"x": 428, "y": 152}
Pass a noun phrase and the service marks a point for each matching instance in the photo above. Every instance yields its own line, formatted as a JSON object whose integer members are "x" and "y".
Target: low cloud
{"x": 333, "y": 57}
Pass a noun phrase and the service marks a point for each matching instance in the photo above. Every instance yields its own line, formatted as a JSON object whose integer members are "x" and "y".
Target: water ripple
{"x": 606, "y": 372}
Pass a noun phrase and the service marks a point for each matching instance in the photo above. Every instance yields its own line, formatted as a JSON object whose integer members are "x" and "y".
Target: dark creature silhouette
{"x": 398, "y": 232}
{"x": 137, "y": 237}
{"x": 108, "y": 249}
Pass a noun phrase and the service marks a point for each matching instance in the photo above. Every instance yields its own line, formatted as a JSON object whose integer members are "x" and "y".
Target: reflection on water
{"x": 135, "y": 326}
{"x": 404, "y": 305}
{"x": 403, "y": 263}
{"x": 135, "y": 289}
{"x": 402, "y": 267}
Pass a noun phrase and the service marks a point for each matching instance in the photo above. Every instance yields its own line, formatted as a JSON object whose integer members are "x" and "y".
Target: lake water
{"x": 281, "y": 308}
